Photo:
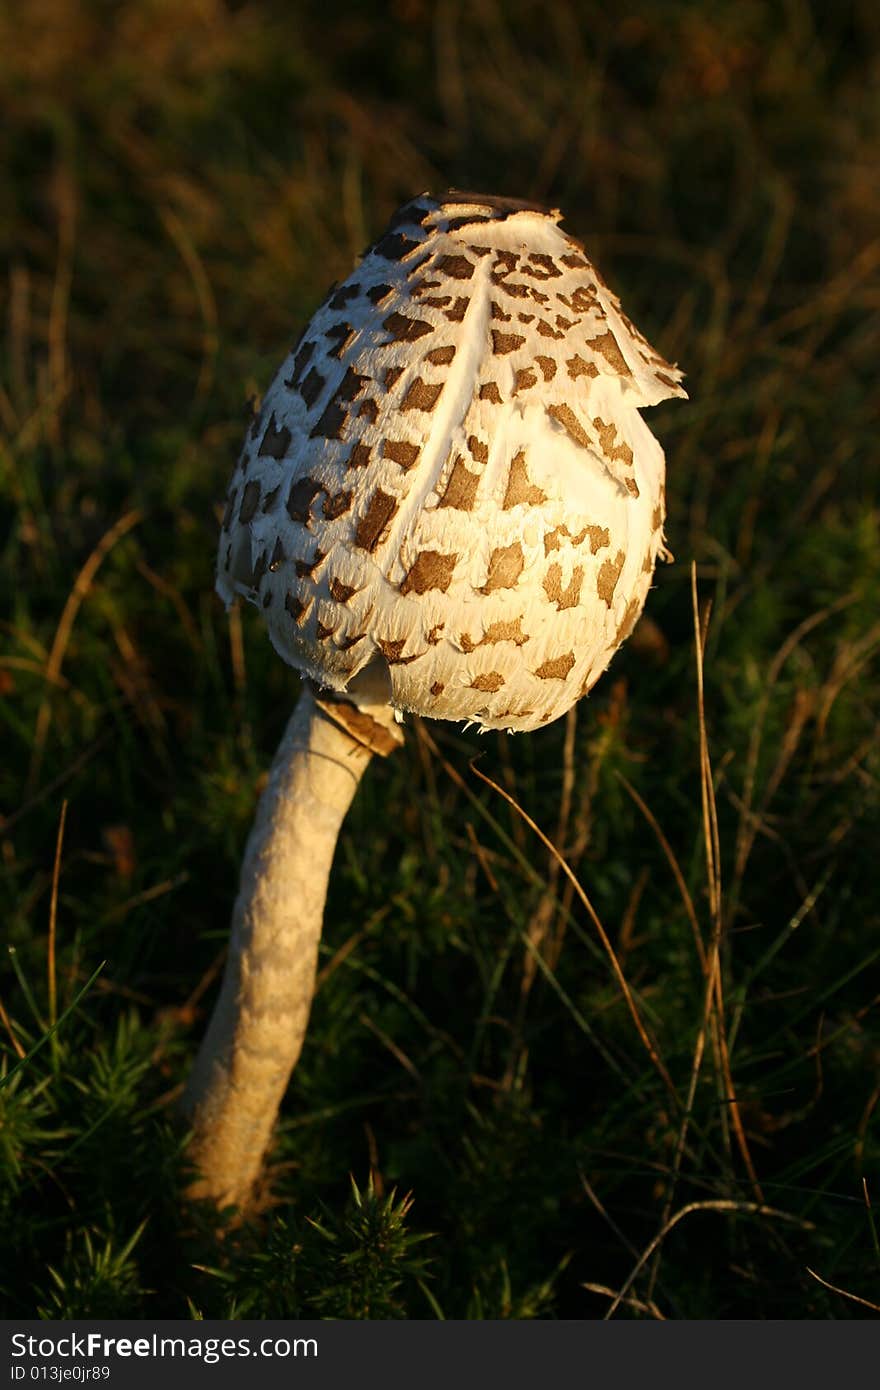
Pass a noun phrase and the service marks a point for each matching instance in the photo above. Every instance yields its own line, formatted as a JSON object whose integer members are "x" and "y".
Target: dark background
{"x": 181, "y": 182}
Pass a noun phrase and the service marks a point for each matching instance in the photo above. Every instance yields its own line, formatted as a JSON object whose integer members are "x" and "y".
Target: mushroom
{"x": 450, "y": 505}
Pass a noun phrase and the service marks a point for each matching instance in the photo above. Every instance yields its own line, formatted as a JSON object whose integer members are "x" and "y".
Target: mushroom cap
{"x": 449, "y": 496}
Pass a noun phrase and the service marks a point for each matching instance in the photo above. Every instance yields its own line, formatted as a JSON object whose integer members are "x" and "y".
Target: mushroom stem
{"x": 256, "y": 1032}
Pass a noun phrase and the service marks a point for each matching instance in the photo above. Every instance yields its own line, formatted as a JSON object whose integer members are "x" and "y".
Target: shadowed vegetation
{"x": 182, "y": 181}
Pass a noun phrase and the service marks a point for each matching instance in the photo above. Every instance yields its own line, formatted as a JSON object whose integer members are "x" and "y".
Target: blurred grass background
{"x": 182, "y": 179}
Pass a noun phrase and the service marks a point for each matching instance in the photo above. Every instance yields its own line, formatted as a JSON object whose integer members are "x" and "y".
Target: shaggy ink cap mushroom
{"x": 449, "y": 497}
{"x": 449, "y": 503}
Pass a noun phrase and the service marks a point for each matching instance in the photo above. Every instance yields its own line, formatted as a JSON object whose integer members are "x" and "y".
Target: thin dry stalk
{"x": 204, "y": 297}
{"x": 53, "y": 922}
{"x": 713, "y": 858}
{"x": 168, "y": 590}
{"x": 481, "y": 856}
{"x": 635, "y": 1303}
{"x": 722, "y": 1206}
{"x": 844, "y": 1293}
{"x": 711, "y": 962}
{"x": 674, "y": 865}
{"x": 81, "y": 586}
{"x": 748, "y": 825}
{"x": 58, "y": 312}
{"x": 649, "y": 1046}
{"x": 544, "y": 914}
{"x": 148, "y": 895}
{"x": 236, "y": 652}
{"x": 5, "y": 1020}
{"x": 7, "y": 822}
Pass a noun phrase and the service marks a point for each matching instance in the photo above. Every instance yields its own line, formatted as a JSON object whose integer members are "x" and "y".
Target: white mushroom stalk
{"x": 449, "y": 504}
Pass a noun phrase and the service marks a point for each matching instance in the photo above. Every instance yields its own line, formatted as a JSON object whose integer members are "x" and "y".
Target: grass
{"x": 477, "y": 1127}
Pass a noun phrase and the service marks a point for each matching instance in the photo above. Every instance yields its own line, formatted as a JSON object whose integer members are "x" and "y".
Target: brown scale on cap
{"x": 457, "y": 312}
{"x": 489, "y": 681}
{"x": 547, "y": 365}
{"x": 297, "y": 608}
{"x": 440, "y": 357}
{"x": 250, "y": 500}
{"x": 275, "y": 441}
{"x": 523, "y": 379}
{"x": 576, "y": 367}
{"x": 401, "y": 452}
{"x": 607, "y": 344}
{"x": 402, "y": 329}
{"x": 503, "y": 343}
{"x": 392, "y": 651}
{"x": 504, "y": 630}
{"x": 312, "y": 387}
{"x": 557, "y": 668}
{"x": 305, "y": 569}
{"x": 332, "y": 419}
{"x": 478, "y": 449}
{"x": 506, "y": 564}
{"x": 299, "y": 364}
{"x": 432, "y": 570}
{"x": 569, "y": 597}
{"x": 515, "y": 289}
{"x": 230, "y": 509}
{"x": 360, "y": 456}
{"x": 600, "y": 537}
{"x": 616, "y": 452}
{"x": 609, "y": 573}
{"x": 583, "y": 301}
{"x": 458, "y": 267}
{"x": 378, "y": 293}
{"x": 570, "y": 423}
{"x": 461, "y": 489}
{"x": 520, "y": 491}
{"x": 299, "y": 502}
{"x": 630, "y": 618}
{"x": 421, "y": 395}
{"x": 340, "y": 337}
{"x": 260, "y": 568}
{"x": 351, "y": 385}
{"x": 374, "y": 521}
{"x": 337, "y": 505}
{"x": 394, "y": 246}
{"x": 343, "y": 295}
{"x": 341, "y": 592}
